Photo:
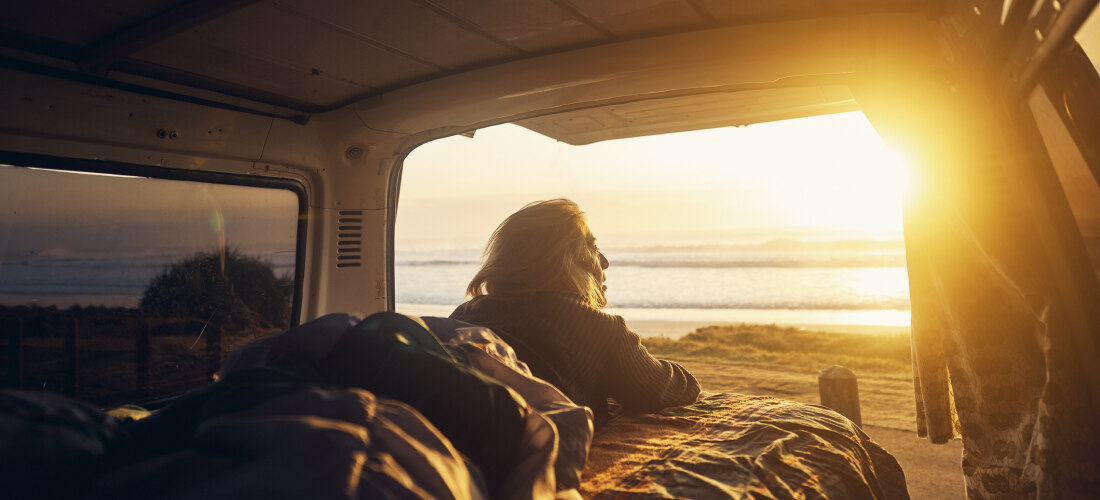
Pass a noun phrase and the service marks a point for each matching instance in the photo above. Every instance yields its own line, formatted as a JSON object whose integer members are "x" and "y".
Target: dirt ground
{"x": 887, "y": 407}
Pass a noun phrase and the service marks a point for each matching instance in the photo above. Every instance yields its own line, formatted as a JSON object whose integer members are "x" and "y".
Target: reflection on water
{"x": 701, "y": 278}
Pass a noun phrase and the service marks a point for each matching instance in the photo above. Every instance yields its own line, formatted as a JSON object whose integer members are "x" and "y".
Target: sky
{"x": 828, "y": 177}
{"x": 59, "y": 213}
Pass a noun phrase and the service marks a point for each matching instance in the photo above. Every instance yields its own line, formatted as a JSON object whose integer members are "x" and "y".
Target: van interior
{"x": 263, "y": 143}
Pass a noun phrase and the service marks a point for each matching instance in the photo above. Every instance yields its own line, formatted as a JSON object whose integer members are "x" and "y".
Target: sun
{"x": 826, "y": 174}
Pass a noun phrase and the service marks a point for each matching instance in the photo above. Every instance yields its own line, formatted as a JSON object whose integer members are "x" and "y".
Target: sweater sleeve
{"x": 641, "y": 382}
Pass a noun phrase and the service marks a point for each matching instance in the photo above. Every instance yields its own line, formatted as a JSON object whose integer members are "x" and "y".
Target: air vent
{"x": 349, "y": 238}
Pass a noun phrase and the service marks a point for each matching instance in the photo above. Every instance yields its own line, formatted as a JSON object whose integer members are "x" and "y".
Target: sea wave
{"x": 85, "y": 264}
{"x": 896, "y": 304}
{"x": 441, "y": 263}
{"x": 43, "y": 261}
{"x": 887, "y": 304}
{"x": 29, "y": 291}
{"x": 791, "y": 263}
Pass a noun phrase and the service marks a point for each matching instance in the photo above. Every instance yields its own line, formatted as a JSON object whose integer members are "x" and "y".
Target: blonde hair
{"x": 545, "y": 246}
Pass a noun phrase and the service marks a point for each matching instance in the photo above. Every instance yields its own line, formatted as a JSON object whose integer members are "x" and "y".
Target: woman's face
{"x": 599, "y": 259}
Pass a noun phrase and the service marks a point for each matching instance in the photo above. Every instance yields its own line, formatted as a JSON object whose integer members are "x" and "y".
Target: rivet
{"x": 353, "y": 153}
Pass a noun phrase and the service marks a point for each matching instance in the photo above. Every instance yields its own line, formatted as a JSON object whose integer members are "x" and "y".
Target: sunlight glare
{"x": 825, "y": 175}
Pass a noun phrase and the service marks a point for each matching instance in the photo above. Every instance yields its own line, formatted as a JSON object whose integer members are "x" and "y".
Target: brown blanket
{"x": 737, "y": 446}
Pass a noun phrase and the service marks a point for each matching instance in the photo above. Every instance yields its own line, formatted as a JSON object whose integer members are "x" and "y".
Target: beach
{"x": 674, "y": 323}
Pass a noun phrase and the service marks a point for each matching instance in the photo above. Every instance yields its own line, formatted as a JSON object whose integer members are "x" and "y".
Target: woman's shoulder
{"x": 567, "y": 307}
{"x": 573, "y": 308}
{"x": 527, "y": 300}
{"x": 573, "y": 301}
{"x": 537, "y": 303}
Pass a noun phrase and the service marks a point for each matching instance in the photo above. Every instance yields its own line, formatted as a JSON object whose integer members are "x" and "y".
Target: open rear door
{"x": 1000, "y": 226}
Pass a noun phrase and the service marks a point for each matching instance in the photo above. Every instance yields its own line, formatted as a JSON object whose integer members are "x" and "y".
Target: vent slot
{"x": 349, "y": 238}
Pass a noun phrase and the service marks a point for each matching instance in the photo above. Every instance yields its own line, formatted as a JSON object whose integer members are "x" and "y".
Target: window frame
{"x": 47, "y": 162}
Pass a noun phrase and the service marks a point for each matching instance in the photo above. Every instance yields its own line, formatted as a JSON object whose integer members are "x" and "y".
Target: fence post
{"x": 15, "y": 355}
{"x": 840, "y": 392}
{"x": 141, "y": 359}
{"x": 72, "y": 338}
{"x": 214, "y": 349}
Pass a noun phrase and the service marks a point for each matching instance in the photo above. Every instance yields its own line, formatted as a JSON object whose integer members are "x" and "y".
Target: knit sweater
{"x": 588, "y": 354}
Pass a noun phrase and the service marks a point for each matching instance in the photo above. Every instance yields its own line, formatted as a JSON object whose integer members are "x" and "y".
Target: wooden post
{"x": 214, "y": 349}
{"x": 15, "y": 355}
{"x": 141, "y": 359}
{"x": 72, "y": 338}
{"x": 840, "y": 392}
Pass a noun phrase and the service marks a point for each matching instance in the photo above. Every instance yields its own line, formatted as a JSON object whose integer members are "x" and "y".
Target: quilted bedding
{"x": 737, "y": 446}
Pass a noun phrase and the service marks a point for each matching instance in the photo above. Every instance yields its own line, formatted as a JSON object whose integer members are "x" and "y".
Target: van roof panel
{"x": 313, "y": 56}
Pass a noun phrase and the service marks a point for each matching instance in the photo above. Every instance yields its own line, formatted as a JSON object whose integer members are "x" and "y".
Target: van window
{"x": 118, "y": 289}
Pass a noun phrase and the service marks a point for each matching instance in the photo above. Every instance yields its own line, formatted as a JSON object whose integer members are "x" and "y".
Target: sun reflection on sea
{"x": 879, "y": 283}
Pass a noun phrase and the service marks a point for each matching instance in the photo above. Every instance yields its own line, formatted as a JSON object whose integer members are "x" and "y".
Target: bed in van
{"x": 289, "y": 121}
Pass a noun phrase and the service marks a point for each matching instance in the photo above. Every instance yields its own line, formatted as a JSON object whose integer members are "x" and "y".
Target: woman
{"x": 541, "y": 289}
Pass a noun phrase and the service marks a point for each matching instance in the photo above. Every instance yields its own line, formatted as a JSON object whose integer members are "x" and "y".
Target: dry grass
{"x": 801, "y": 350}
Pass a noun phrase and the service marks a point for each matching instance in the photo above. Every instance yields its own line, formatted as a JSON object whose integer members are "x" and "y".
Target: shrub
{"x": 216, "y": 285}
{"x": 807, "y": 350}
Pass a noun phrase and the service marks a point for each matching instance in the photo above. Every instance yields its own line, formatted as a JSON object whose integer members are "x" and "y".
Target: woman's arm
{"x": 641, "y": 382}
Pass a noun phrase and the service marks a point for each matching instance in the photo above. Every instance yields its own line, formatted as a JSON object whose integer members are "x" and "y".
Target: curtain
{"x": 993, "y": 354}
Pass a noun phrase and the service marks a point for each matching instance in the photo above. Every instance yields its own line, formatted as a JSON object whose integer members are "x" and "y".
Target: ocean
{"x": 839, "y": 286}
{"x": 661, "y": 290}
{"x": 90, "y": 279}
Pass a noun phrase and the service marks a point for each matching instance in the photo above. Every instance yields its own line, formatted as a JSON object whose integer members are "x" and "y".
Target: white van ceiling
{"x": 292, "y": 58}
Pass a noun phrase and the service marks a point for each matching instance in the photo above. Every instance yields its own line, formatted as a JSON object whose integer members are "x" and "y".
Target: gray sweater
{"x": 588, "y": 354}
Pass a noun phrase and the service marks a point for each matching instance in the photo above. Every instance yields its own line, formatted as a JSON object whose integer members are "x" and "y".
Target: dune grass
{"x": 792, "y": 347}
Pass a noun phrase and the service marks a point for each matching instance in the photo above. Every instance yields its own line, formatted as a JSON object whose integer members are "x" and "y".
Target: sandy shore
{"x": 675, "y": 323}
{"x": 675, "y": 329}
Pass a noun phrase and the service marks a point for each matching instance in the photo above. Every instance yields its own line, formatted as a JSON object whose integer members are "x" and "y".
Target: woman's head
{"x": 545, "y": 246}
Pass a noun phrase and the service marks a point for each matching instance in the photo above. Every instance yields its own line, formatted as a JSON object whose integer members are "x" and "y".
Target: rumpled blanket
{"x": 553, "y": 448}
{"x": 737, "y": 446}
{"x": 559, "y": 431}
{"x": 307, "y": 443}
{"x": 51, "y": 446}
